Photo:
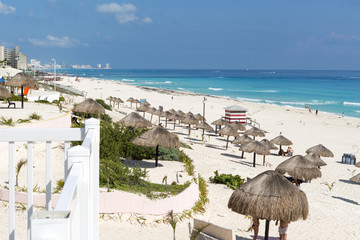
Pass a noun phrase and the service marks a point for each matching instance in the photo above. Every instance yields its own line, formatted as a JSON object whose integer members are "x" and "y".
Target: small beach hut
{"x": 235, "y": 113}
{"x": 155, "y": 137}
{"x": 270, "y": 196}
{"x": 229, "y": 131}
{"x": 89, "y": 106}
{"x": 135, "y": 120}
{"x": 320, "y": 150}
{"x": 190, "y": 120}
{"x": 299, "y": 168}
{"x": 256, "y": 147}
{"x": 281, "y": 140}
{"x": 204, "y": 126}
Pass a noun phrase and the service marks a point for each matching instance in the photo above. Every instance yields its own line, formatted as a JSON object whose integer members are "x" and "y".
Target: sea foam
{"x": 215, "y": 89}
{"x": 352, "y": 103}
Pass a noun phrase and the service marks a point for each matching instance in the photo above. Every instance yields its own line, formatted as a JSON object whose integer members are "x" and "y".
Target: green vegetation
{"x": 34, "y": 116}
{"x": 184, "y": 145}
{"x": 105, "y": 117}
{"x": 7, "y": 121}
{"x": 19, "y": 165}
{"x": 61, "y": 99}
{"x": 189, "y": 167}
{"x": 107, "y": 107}
{"x": 229, "y": 180}
{"x": 43, "y": 101}
{"x": 23, "y": 120}
{"x": 59, "y": 185}
{"x": 15, "y": 98}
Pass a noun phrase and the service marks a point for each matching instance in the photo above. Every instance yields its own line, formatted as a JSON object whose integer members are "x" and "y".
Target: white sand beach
{"x": 334, "y": 214}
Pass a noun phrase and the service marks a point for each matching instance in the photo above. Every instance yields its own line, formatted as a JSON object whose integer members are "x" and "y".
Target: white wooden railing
{"x": 75, "y": 215}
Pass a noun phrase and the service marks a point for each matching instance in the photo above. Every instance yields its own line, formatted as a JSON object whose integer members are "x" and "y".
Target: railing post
{"x": 79, "y": 154}
{"x": 94, "y": 176}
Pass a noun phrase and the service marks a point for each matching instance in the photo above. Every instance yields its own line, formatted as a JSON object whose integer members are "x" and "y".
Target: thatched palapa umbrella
{"x": 89, "y": 106}
{"x": 175, "y": 117}
{"x": 181, "y": 113}
{"x": 281, "y": 140}
{"x": 356, "y": 179}
{"x": 256, "y": 147}
{"x": 110, "y": 99}
{"x": 4, "y": 92}
{"x": 242, "y": 140}
{"x": 239, "y": 126}
{"x": 155, "y": 137}
{"x": 135, "y": 120}
{"x": 131, "y": 100}
{"x": 167, "y": 116}
{"x": 22, "y": 80}
{"x": 315, "y": 159}
{"x": 136, "y": 101}
{"x": 357, "y": 164}
{"x": 158, "y": 113}
{"x": 190, "y": 120}
{"x": 199, "y": 117}
{"x": 300, "y": 168}
{"x": 172, "y": 111}
{"x": 270, "y": 145}
{"x": 229, "y": 131}
{"x": 220, "y": 122}
{"x": 270, "y": 196}
{"x": 256, "y": 132}
{"x": 142, "y": 108}
{"x": 151, "y": 111}
{"x": 204, "y": 126}
{"x": 320, "y": 150}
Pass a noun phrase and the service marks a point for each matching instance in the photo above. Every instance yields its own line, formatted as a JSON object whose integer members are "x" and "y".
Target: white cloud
{"x": 116, "y": 8}
{"x": 147, "y": 20}
{"x": 6, "y": 9}
{"x": 52, "y": 41}
{"x": 343, "y": 37}
{"x": 124, "y": 13}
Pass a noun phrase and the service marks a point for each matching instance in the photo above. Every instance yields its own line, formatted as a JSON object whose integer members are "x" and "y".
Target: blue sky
{"x": 230, "y": 34}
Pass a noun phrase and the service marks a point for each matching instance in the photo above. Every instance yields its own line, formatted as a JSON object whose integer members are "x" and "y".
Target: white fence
{"x": 76, "y": 213}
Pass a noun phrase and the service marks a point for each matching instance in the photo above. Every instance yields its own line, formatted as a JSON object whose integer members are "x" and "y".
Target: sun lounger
{"x": 10, "y": 103}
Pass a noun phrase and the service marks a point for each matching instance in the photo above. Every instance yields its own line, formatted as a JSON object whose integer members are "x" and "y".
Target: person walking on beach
{"x": 316, "y": 112}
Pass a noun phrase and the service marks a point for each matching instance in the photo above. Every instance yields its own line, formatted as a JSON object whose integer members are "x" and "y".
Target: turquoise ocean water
{"x": 327, "y": 91}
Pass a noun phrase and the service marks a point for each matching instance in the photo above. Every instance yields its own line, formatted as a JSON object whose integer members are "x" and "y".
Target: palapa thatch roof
{"x": 199, "y": 117}
{"x": 239, "y": 126}
{"x": 130, "y": 99}
{"x": 204, "y": 125}
{"x": 166, "y": 114}
{"x": 256, "y": 132}
{"x": 181, "y": 113}
{"x": 189, "y": 113}
{"x": 157, "y": 136}
{"x": 220, "y": 122}
{"x": 4, "y": 92}
{"x": 119, "y": 100}
{"x": 89, "y": 106}
{"x": 172, "y": 111}
{"x": 22, "y": 79}
{"x": 176, "y": 117}
{"x": 158, "y": 112}
{"x": 357, "y": 164}
{"x": 281, "y": 140}
{"x": 255, "y": 146}
{"x": 270, "y": 145}
{"x": 142, "y": 108}
{"x": 190, "y": 119}
{"x": 229, "y": 131}
{"x": 300, "y": 168}
{"x": 136, "y": 101}
{"x": 135, "y": 120}
{"x": 270, "y": 196}
{"x": 151, "y": 110}
{"x": 320, "y": 150}
{"x": 242, "y": 139}
{"x": 315, "y": 159}
{"x": 356, "y": 179}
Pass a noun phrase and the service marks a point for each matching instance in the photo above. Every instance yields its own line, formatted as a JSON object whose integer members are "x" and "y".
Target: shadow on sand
{"x": 244, "y": 163}
{"x": 140, "y": 163}
{"x": 346, "y": 200}
{"x": 215, "y": 147}
{"x": 347, "y": 181}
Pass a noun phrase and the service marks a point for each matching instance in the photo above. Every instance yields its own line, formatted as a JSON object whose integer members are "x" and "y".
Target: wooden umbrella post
{"x": 203, "y": 134}
{"x": 157, "y": 155}
{"x": 267, "y": 224}
{"x": 227, "y": 142}
{"x": 174, "y": 124}
{"x": 254, "y": 159}
{"x": 22, "y": 96}
{"x": 189, "y": 129}
{"x": 264, "y": 161}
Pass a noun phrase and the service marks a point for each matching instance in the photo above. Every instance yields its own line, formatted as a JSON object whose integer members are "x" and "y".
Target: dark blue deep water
{"x": 327, "y": 91}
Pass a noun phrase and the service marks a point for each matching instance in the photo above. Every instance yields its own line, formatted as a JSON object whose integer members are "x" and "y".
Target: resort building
{"x": 14, "y": 57}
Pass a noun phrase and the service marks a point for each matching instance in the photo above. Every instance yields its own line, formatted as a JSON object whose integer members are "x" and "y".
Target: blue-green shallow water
{"x": 327, "y": 91}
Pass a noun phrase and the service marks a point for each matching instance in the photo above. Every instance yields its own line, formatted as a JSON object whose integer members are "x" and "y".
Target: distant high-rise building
{"x": 107, "y": 66}
{"x": 14, "y": 57}
{"x": 99, "y": 65}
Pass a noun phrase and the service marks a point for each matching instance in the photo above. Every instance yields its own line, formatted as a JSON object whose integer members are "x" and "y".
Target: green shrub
{"x": 43, "y": 101}
{"x": 229, "y": 180}
{"x": 61, "y": 99}
{"x": 23, "y": 120}
{"x": 7, "y": 121}
{"x": 34, "y": 116}
{"x": 184, "y": 145}
{"x": 107, "y": 107}
{"x": 170, "y": 154}
{"x": 15, "y": 98}
{"x": 105, "y": 117}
